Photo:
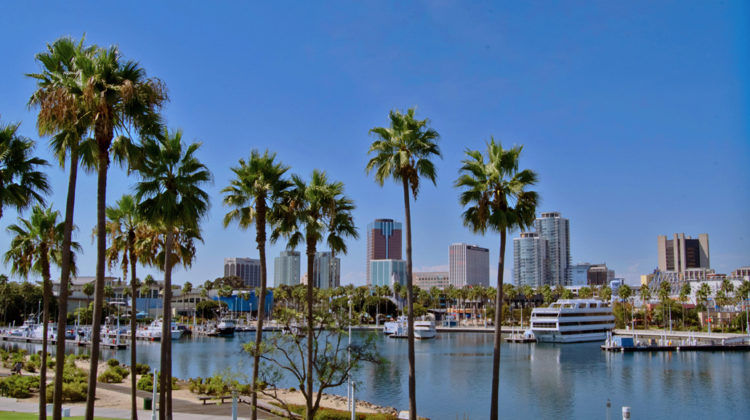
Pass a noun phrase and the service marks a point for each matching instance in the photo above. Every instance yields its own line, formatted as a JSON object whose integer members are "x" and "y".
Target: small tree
{"x": 334, "y": 360}
{"x": 684, "y": 295}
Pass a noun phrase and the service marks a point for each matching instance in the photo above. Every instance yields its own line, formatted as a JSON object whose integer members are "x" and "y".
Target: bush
{"x": 113, "y": 362}
{"x": 30, "y": 366}
{"x": 109, "y": 376}
{"x": 18, "y": 386}
{"x": 71, "y": 392}
{"x": 146, "y": 383}
{"x": 142, "y": 369}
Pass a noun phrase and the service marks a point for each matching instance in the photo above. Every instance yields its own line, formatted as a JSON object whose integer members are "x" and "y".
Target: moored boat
{"x": 573, "y": 321}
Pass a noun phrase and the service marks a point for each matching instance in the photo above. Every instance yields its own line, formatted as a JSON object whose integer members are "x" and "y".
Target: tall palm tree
{"x": 171, "y": 194}
{"x": 38, "y": 243}
{"x": 21, "y": 182}
{"x": 403, "y": 152}
{"x": 115, "y": 95}
{"x": 122, "y": 226}
{"x": 305, "y": 215}
{"x": 496, "y": 192}
{"x": 257, "y": 186}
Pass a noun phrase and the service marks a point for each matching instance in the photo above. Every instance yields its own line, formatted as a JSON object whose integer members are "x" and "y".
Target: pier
{"x": 660, "y": 340}
{"x": 108, "y": 343}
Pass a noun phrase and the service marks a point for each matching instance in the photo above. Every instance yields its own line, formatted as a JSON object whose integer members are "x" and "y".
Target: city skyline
{"x": 614, "y": 167}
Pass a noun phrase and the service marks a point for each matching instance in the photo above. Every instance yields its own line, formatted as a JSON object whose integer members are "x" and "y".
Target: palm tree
{"x": 36, "y": 244}
{"x": 645, "y": 298}
{"x": 498, "y": 199}
{"x": 171, "y": 195}
{"x": 257, "y": 187}
{"x": 305, "y": 215}
{"x": 21, "y": 183}
{"x": 115, "y": 95}
{"x": 684, "y": 295}
{"x": 123, "y": 223}
{"x": 403, "y": 152}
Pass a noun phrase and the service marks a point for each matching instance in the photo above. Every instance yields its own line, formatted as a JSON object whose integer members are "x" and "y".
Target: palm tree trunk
{"x": 498, "y": 330}
{"x": 101, "y": 246}
{"x": 62, "y": 310}
{"x": 310, "y": 337}
{"x": 260, "y": 239}
{"x": 165, "y": 379}
{"x": 133, "y": 290}
{"x": 410, "y": 305}
{"x": 44, "y": 260}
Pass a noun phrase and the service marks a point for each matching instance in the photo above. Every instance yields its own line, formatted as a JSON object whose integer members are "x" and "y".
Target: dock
{"x": 655, "y": 340}
{"x": 105, "y": 343}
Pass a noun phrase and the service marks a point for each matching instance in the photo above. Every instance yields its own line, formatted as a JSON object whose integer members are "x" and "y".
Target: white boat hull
{"x": 556, "y": 337}
{"x": 424, "y": 334}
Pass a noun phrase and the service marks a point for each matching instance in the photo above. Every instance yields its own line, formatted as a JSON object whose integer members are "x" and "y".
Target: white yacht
{"x": 226, "y": 327}
{"x": 573, "y": 321}
{"x": 424, "y": 329}
{"x": 393, "y": 327}
{"x": 153, "y": 331}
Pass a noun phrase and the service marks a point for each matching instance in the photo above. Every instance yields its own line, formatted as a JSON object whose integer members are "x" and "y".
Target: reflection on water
{"x": 454, "y": 375}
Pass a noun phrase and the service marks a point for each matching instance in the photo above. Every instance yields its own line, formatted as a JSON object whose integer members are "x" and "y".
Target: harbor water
{"x": 547, "y": 381}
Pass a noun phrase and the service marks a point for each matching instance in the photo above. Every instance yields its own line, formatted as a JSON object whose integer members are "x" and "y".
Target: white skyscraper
{"x": 529, "y": 260}
{"x": 469, "y": 265}
{"x": 286, "y": 268}
{"x": 556, "y": 230}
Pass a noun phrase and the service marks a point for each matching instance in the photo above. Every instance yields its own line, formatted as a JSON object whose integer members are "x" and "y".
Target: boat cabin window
{"x": 592, "y": 305}
{"x": 581, "y": 306}
{"x": 570, "y": 305}
{"x": 555, "y": 305}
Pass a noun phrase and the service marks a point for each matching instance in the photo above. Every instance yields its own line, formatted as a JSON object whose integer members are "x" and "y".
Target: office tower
{"x": 556, "y": 230}
{"x": 469, "y": 265}
{"x": 529, "y": 260}
{"x": 247, "y": 269}
{"x": 600, "y": 275}
{"x": 387, "y": 272}
{"x": 683, "y": 252}
{"x": 326, "y": 271}
{"x": 579, "y": 274}
{"x": 429, "y": 279}
{"x": 383, "y": 242}
{"x": 286, "y": 269}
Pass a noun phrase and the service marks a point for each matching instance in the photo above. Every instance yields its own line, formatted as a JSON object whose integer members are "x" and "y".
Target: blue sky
{"x": 634, "y": 114}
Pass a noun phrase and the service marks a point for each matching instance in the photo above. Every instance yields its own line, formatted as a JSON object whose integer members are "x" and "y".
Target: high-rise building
{"x": 529, "y": 260}
{"x": 429, "y": 279}
{"x": 387, "y": 272}
{"x": 326, "y": 271}
{"x": 579, "y": 274}
{"x": 556, "y": 230}
{"x": 469, "y": 265}
{"x": 683, "y": 252}
{"x": 286, "y": 269}
{"x": 248, "y": 269}
{"x": 600, "y": 275}
{"x": 383, "y": 242}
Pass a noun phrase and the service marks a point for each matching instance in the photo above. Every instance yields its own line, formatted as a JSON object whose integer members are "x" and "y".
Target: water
{"x": 536, "y": 380}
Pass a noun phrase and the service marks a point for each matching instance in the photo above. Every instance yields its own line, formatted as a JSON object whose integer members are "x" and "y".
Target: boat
{"x": 225, "y": 327}
{"x": 573, "y": 321}
{"x": 153, "y": 331}
{"x": 392, "y": 327}
{"x": 424, "y": 329}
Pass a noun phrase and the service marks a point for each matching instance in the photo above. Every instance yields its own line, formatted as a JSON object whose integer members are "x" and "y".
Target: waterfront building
{"x": 383, "y": 242}
{"x": 469, "y": 265}
{"x": 387, "y": 272}
{"x": 742, "y": 272}
{"x": 683, "y": 252}
{"x": 326, "y": 271}
{"x": 529, "y": 260}
{"x": 579, "y": 274}
{"x": 247, "y": 269}
{"x": 428, "y": 279}
{"x": 556, "y": 230}
{"x": 286, "y": 269}
{"x": 76, "y": 297}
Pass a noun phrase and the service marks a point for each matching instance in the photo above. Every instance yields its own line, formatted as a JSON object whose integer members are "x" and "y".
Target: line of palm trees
{"x": 97, "y": 106}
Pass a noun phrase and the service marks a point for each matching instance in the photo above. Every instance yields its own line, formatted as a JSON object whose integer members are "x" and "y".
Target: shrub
{"x": 142, "y": 368}
{"x": 113, "y": 362}
{"x": 18, "y": 386}
{"x": 30, "y": 366}
{"x": 109, "y": 376}
{"x": 72, "y": 392}
{"x": 146, "y": 383}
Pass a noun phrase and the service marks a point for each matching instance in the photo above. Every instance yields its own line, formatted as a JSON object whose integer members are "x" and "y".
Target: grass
{"x": 11, "y": 415}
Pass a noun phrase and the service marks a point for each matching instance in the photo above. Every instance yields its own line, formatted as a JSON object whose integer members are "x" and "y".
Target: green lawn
{"x": 9, "y": 415}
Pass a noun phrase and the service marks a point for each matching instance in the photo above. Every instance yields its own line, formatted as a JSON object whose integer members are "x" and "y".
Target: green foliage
{"x": 113, "y": 362}
{"x": 142, "y": 369}
{"x": 217, "y": 385}
{"x": 331, "y": 414}
{"x": 146, "y": 383}
{"x": 109, "y": 376}
{"x": 17, "y": 386}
